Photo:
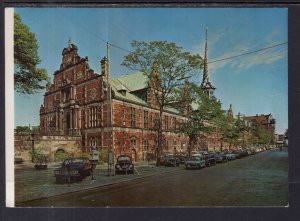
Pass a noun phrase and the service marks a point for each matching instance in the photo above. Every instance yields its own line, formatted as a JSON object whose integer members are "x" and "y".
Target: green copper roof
{"x": 135, "y": 81}
{"x": 129, "y": 96}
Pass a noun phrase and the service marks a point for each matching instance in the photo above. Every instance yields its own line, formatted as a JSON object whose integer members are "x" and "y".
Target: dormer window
{"x": 122, "y": 89}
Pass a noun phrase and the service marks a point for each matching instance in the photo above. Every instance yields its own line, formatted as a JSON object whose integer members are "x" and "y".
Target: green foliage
{"x": 167, "y": 67}
{"x": 260, "y": 134}
{"x": 38, "y": 156}
{"x": 61, "y": 156}
{"x": 286, "y": 134}
{"x": 23, "y": 129}
{"x": 35, "y": 129}
{"x": 28, "y": 77}
{"x": 102, "y": 155}
{"x": 207, "y": 114}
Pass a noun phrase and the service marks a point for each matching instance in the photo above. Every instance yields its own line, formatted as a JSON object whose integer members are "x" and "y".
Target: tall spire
{"x": 205, "y": 67}
{"x": 69, "y": 42}
{"x": 207, "y": 87}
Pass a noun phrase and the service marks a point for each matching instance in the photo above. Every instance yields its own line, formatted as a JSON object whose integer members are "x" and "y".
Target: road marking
{"x": 137, "y": 171}
{"x": 92, "y": 181}
{"x": 156, "y": 169}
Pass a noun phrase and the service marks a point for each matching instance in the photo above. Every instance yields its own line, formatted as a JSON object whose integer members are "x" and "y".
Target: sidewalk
{"x": 33, "y": 184}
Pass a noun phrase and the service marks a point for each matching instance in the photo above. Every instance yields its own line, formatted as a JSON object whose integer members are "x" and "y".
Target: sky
{"x": 256, "y": 83}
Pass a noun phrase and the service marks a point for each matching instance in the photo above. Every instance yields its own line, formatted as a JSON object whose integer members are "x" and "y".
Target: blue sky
{"x": 253, "y": 84}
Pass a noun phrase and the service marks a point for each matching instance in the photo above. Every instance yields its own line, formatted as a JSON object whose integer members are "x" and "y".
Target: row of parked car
{"x": 206, "y": 159}
{"x": 75, "y": 169}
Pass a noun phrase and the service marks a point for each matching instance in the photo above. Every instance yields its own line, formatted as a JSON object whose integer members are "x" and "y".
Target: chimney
{"x": 104, "y": 66}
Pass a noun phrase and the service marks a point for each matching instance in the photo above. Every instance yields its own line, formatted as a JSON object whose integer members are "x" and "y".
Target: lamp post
{"x": 32, "y": 146}
{"x": 124, "y": 124}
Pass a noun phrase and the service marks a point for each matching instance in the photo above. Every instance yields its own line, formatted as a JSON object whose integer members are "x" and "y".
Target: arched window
{"x": 93, "y": 142}
{"x": 133, "y": 142}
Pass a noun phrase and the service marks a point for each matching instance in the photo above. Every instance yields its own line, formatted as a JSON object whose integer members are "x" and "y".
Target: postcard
{"x": 146, "y": 107}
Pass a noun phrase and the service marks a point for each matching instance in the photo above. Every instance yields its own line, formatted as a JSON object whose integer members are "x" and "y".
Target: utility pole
{"x": 111, "y": 107}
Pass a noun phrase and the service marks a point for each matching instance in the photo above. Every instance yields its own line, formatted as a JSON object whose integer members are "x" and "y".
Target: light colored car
{"x": 195, "y": 162}
{"x": 230, "y": 156}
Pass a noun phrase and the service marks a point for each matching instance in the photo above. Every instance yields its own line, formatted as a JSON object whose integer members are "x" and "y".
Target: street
{"x": 258, "y": 180}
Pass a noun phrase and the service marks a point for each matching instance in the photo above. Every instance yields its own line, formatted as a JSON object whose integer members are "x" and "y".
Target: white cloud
{"x": 265, "y": 57}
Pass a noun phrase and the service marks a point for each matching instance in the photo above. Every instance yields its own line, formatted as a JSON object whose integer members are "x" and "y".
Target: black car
{"x": 124, "y": 165}
{"x": 73, "y": 169}
{"x": 221, "y": 157}
{"x": 210, "y": 159}
{"x": 172, "y": 162}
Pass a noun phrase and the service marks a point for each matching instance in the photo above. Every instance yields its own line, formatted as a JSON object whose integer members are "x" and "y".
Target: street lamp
{"x": 124, "y": 124}
{"x": 32, "y": 146}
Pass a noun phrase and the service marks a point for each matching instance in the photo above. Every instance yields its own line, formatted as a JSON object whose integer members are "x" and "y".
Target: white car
{"x": 195, "y": 162}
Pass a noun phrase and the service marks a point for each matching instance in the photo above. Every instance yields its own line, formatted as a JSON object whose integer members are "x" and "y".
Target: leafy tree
{"x": 39, "y": 156}
{"x": 167, "y": 67}
{"x": 22, "y": 129}
{"x": 260, "y": 134}
{"x": 204, "y": 118}
{"x": 228, "y": 130}
{"x": 28, "y": 77}
{"x": 286, "y": 134}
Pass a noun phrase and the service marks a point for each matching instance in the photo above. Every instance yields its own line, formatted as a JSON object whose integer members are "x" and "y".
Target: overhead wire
{"x": 247, "y": 53}
{"x": 210, "y": 62}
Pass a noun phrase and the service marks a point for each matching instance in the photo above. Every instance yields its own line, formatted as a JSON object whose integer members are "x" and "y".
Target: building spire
{"x": 69, "y": 42}
{"x": 206, "y": 86}
{"x": 205, "y": 67}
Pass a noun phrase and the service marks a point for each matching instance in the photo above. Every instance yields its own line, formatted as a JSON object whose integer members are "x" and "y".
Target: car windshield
{"x": 124, "y": 158}
{"x": 195, "y": 158}
{"x": 69, "y": 161}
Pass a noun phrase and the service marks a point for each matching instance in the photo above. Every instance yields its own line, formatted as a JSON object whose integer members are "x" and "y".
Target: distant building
{"x": 266, "y": 120}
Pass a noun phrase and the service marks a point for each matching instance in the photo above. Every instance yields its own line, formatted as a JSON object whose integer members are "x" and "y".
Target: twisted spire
{"x": 205, "y": 67}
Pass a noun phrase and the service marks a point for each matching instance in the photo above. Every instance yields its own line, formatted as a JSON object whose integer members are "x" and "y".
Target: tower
{"x": 206, "y": 85}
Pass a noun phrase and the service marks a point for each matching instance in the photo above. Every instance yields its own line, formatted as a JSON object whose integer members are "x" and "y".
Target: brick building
{"x": 113, "y": 114}
{"x": 266, "y": 120}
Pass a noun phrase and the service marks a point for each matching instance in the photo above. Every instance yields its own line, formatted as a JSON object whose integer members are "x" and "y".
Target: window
{"x": 93, "y": 143}
{"x": 166, "y": 122}
{"x": 93, "y": 116}
{"x": 132, "y": 116}
{"x": 146, "y": 122}
{"x": 173, "y": 123}
{"x": 133, "y": 142}
{"x": 174, "y": 143}
{"x": 146, "y": 145}
{"x": 156, "y": 121}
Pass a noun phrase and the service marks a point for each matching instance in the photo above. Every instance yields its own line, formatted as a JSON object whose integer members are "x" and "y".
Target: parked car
{"x": 172, "y": 162}
{"x": 73, "y": 169}
{"x": 221, "y": 157}
{"x": 210, "y": 159}
{"x": 239, "y": 154}
{"x": 230, "y": 156}
{"x": 124, "y": 165}
{"x": 195, "y": 162}
{"x": 18, "y": 160}
{"x": 181, "y": 157}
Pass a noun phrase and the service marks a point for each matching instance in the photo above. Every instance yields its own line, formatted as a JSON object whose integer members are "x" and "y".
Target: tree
{"x": 228, "y": 130}
{"x": 203, "y": 118}
{"x": 28, "y": 77}
{"x": 167, "y": 67}
{"x": 260, "y": 134}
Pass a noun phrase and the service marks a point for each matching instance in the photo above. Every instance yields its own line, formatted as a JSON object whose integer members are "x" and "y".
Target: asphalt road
{"x": 258, "y": 180}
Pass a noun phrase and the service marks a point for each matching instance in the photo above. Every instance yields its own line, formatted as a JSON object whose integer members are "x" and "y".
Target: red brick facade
{"x": 79, "y": 103}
